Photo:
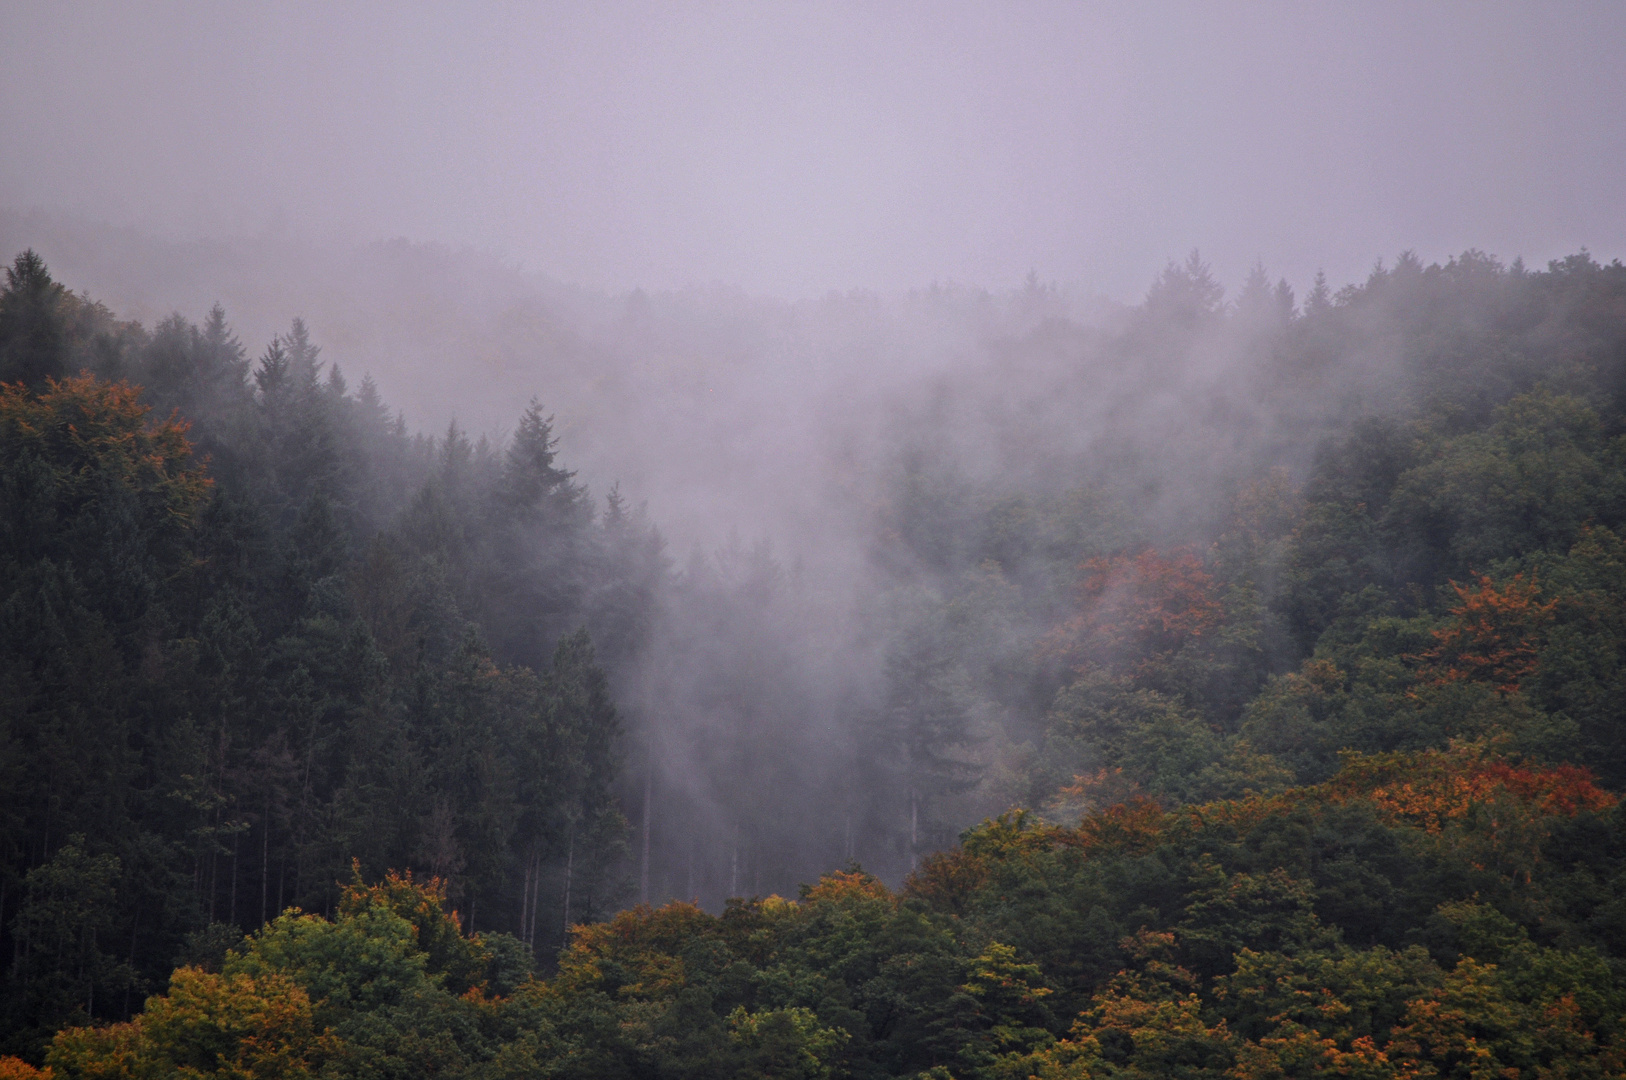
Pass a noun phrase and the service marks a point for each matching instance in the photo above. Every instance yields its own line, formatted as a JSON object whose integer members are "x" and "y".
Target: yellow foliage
{"x": 232, "y": 1027}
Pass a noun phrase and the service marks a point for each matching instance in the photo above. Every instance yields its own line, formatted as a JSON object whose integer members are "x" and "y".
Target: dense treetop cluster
{"x": 1306, "y": 653}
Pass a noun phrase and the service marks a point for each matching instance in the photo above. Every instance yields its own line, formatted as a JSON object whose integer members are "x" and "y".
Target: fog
{"x": 787, "y": 274}
{"x": 791, "y": 149}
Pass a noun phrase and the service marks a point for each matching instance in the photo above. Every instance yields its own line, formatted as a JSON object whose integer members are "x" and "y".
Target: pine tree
{"x": 271, "y": 376}
{"x": 33, "y": 336}
{"x": 1319, "y": 299}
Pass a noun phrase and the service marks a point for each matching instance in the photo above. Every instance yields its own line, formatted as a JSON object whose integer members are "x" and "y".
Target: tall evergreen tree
{"x": 33, "y": 334}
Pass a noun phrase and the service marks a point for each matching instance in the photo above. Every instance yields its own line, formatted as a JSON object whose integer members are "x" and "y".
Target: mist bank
{"x": 711, "y": 403}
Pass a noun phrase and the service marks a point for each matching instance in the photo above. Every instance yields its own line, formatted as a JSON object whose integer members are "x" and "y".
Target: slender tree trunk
{"x": 214, "y": 846}
{"x": 527, "y": 913}
{"x": 914, "y": 830}
{"x": 304, "y": 810}
{"x": 525, "y": 903}
{"x": 236, "y": 838}
{"x": 570, "y": 866}
{"x": 535, "y": 892}
{"x": 643, "y": 868}
{"x": 265, "y": 859}
{"x": 135, "y": 922}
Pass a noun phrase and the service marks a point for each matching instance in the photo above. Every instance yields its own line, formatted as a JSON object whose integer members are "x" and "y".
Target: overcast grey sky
{"x": 793, "y": 148}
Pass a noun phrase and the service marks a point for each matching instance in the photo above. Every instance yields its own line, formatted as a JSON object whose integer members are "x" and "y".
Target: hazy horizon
{"x": 788, "y": 151}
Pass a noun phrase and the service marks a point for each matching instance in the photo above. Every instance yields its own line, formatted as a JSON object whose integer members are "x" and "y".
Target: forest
{"x": 1208, "y": 687}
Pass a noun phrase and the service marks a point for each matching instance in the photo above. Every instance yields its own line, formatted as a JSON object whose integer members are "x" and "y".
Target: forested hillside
{"x": 256, "y": 631}
{"x": 1295, "y": 627}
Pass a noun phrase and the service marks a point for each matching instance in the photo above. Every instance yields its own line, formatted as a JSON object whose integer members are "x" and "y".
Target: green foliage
{"x": 1302, "y": 671}
{"x": 234, "y": 658}
{"x": 1230, "y": 940}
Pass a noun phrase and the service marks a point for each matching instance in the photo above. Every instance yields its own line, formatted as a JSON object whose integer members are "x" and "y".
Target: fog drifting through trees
{"x": 659, "y": 457}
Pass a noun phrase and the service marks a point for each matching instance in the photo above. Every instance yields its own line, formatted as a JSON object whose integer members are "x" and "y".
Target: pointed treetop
{"x": 1320, "y": 296}
{"x": 33, "y": 335}
{"x": 529, "y": 475}
{"x": 455, "y": 451}
{"x": 272, "y": 375}
{"x": 1187, "y": 291}
{"x": 615, "y": 508}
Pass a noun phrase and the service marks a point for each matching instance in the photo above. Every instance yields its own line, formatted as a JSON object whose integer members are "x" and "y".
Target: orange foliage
{"x": 1494, "y": 635}
{"x": 1135, "y": 605}
{"x": 1137, "y": 825}
{"x": 1103, "y": 787}
{"x": 418, "y": 901}
{"x": 1238, "y": 814}
{"x": 15, "y": 1068}
{"x": 206, "y": 1025}
{"x": 1425, "y": 790}
{"x": 1433, "y": 787}
{"x": 841, "y": 886}
{"x": 642, "y": 945}
{"x": 85, "y": 430}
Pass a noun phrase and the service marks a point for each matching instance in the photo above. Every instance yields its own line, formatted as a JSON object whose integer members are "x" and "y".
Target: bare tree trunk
{"x": 214, "y": 845}
{"x": 265, "y": 859}
{"x": 643, "y": 868}
{"x": 304, "y": 812}
{"x": 135, "y": 922}
{"x": 536, "y": 891}
{"x": 914, "y": 830}
{"x": 570, "y": 866}
{"x": 525, "y": 903}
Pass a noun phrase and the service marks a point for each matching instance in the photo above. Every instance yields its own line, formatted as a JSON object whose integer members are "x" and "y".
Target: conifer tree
{"x": 33, "y": 337}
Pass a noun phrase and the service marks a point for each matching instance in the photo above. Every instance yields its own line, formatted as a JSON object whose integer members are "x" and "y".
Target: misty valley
{"x": 957, "y": 684}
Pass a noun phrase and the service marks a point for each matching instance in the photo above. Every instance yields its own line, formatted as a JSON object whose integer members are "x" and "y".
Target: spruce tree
{"x": 33, "y": 336}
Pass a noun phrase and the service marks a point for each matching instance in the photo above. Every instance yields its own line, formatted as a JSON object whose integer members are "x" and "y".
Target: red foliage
{"x": 1433, "y": 787}
{"x": 1135, "y": 607}
{"x": 1137, "y": 825}
{"x": 1494, "y": 635}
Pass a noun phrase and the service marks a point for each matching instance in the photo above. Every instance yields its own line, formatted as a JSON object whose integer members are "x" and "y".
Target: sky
{"x": 791, "y": 149}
